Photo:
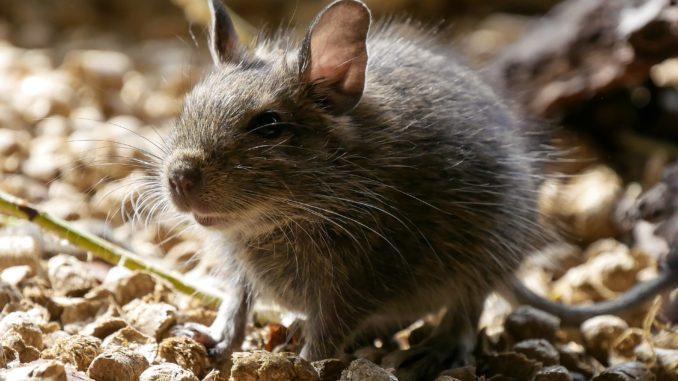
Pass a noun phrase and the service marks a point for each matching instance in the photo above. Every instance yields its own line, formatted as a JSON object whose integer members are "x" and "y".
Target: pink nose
{"x": 183, "y": 181}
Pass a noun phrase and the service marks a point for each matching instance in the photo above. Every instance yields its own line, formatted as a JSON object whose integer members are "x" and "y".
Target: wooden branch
{"x": 100, "y": 248}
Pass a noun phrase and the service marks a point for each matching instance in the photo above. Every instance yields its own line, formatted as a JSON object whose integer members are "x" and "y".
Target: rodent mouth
{"x": 209, "y": 220}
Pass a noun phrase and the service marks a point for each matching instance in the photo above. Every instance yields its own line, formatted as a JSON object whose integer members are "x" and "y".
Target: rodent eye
{"x": 267, "y": 125}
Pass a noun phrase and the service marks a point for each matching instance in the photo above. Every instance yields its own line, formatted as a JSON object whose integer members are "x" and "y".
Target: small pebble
{"x": 466, "y": 373}
{"x": 26, "y": 353}
{"x": 104, "y": 326}
{"x": 16, "y": 275}
{"x": 553, "y": 373}
{"x": 540, "y": 350}
{"x": 99, "y": 67}
{"x": 8, "y": 294}
{"x": 362, "y": 369}
{"x": 127, "y": 286}
{"x": 529, "y": 323}
{"x": 628, "y": 371}
{"x": 667, "y": 364}
{"x": 600, "y": 333}
{"x": 185, "y": 352}
{"x": 134, "y": 340}
{"x": 119, "y": 364}
{"x": 69, "y": 276}
{"x": 511, "y": 364}
{"x": 78, "y": 350}
{"x": 153, "y": 319}
{"x": 262, "y": 365}
{"x": 167, "y": 372}
{"x": 79, "y": 311}
{"x": 329, "y": 369}
{"x": 50, "y": 370}
{"x": 25, "y": 325}
{"x": 20, "y": 250}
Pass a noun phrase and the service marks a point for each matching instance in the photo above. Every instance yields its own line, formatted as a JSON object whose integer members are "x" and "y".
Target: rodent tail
{"x": 573, "y": 315}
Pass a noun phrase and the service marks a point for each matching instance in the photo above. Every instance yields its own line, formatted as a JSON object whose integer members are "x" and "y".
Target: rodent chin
{"x": 210, "y": 220}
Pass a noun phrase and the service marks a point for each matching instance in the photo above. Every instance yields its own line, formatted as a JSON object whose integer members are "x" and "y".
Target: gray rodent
{"x": 355, "y": 190}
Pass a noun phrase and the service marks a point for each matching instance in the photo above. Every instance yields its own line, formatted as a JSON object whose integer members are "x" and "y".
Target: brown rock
{"x": 362, "y": 369}
{"x": 628, "y": 371}
{"x": 132, "y": 339}
{"x": 17, "y": 275}
{"x": 104, "y": 326}
{"x": 262, "y": 365}
{"x": 79, "y": 311}
{"x": 51, "y": 370}
{"x": 583, "y": 205}
{"x": 25, "y": 325}
{"x": 78, "y": 350}
{"x": 529, "y": 323}
{"x": 20, "y": 250}
{"x": 600, "y": 333}
{"x": 69, "y": 276}
{"x": 25, "y": 353}
{"x": 185, "y": 352}
{"x": 152, "y": 319}
{"x": 446, "y": 378}
{"x": 119, "y": 364}
{"x": 666, "y": 367}
{"x": 610, "y": 268}
{"x": 44, "y": 94}
{"x": 466, "y": 373}
{"x": 130, "y": 285}
{"x": 511, "y": 364}
{"x": 43, "y": 370}
{"x": 538, "y": 349}
{"x": 98, "y": 67}
{"x": 197, "y": 315}
{"x": 329, "y": 369}
{"x": 167, "y": 372}
{"x": 553, "y": 373}
{"x": 573, "y": 357}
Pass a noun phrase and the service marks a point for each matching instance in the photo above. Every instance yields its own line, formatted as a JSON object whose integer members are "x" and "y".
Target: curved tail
{"x": 572, "y": 315}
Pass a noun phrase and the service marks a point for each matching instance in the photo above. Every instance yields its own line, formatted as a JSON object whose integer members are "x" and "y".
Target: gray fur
{"x": 421, "y": 197}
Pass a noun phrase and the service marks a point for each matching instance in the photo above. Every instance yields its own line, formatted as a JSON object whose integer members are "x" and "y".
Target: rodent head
{"x": 265, "y": 128}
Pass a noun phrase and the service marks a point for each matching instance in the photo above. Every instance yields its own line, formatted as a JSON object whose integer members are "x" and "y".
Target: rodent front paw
{"x": 218, "y": 350}
{"x": 198, "y": 332}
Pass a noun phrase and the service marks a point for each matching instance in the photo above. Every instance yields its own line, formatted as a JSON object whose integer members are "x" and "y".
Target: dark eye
{"x": 267, "y": 125}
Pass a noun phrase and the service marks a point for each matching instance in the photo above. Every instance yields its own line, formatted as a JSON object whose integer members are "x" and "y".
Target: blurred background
{"x": 80, "y": 77}
{"x": 85, "y": 85}
{"x": 88, "y": 86}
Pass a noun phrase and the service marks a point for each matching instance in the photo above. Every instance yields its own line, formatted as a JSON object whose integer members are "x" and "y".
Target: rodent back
{"x": 428, "y": 142}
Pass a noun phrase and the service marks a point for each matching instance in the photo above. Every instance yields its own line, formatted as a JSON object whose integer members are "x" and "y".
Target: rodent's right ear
{"x": 224, "y": 43}
{"x": 333, "y": 56}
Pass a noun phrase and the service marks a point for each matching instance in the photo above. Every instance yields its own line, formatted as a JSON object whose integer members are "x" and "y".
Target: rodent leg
{"x": 449, "y": 345}
{"x": 227, "y": 332}
{"x": 382, "y": 329}
{"x": 327, "y": 331}
{"x": 229, "y": 326}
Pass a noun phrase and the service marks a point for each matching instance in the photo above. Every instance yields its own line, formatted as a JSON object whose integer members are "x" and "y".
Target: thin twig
{"x": 100, "y": 248}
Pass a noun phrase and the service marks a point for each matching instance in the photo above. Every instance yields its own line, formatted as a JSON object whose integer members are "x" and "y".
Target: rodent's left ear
{"x": 333, "y": 56}
{"x": 225, "y": 45}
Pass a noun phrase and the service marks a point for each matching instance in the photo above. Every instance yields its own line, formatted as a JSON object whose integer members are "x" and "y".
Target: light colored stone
{"x": 119, "y": 364}
{"x": 167, "y": 372}
{"x": 362, "y": 369}
{"x": 69, "y": 276}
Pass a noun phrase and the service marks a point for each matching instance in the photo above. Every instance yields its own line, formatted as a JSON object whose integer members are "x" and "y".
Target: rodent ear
{"x": 225, "y": 46}
{"x": 333, "y": 56}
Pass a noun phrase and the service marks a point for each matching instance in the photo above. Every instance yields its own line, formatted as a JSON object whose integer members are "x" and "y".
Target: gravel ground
{"x": 64, "y": 112}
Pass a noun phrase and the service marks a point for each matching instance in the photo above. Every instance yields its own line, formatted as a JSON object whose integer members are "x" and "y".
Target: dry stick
{"x": 100, "y": 248}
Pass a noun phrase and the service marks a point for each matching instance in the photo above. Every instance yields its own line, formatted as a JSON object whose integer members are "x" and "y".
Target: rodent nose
{"x": 183, "y": 180}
